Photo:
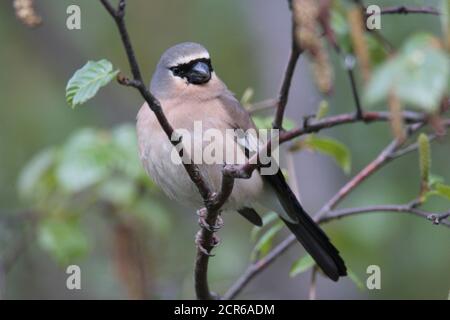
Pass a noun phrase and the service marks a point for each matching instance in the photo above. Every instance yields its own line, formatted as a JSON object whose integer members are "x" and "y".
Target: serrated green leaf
{"x": 63, "y": 239}
{"x": 264, "y": 244}
{"x": 86, "y": 82}
{"x": 267, "y": 219}
{"x": 418, "y": 75}
{"x": 301, "y": 265}
{"x": 331, "y": 147}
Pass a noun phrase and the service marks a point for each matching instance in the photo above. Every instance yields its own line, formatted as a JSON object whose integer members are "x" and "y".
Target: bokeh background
{"x": 128, "y": 238}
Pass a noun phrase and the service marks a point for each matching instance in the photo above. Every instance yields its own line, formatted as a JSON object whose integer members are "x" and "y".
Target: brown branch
{"x": 349, "y": 66}
{"x": 410, "y": 10}
{"x": 407, "y": 208}
{"x": 285, "y": 86}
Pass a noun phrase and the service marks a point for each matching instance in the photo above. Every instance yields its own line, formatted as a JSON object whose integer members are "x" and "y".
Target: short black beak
{"x": 199, "y": 74}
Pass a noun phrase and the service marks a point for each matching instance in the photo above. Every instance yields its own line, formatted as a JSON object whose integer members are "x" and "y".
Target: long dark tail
{"x": 307, "y": 232}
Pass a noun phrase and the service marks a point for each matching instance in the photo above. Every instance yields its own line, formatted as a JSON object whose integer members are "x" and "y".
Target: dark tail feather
{"x": 317, "y": 244}
{"x": 307, "y": 232}
{"x": 251, "y": 215}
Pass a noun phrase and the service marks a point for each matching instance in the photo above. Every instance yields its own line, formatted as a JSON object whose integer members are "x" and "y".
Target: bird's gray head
{"x": 183, "y": 69}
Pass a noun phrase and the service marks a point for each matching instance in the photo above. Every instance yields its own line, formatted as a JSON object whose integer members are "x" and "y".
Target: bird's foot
{"x": 205, "y": 225}
{"x": 200, "y": 243}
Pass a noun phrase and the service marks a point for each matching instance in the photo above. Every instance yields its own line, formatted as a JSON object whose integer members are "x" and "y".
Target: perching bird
{"x": 190, "y": 91}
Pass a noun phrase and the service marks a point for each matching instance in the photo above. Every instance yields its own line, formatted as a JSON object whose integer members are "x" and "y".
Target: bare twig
{"x": 349, "y": 65}
{"x": 285, "y": 87}
{"x": 410, "y": 10}
{"x": 439, "y": 218}
{"x": 407, "y": 208}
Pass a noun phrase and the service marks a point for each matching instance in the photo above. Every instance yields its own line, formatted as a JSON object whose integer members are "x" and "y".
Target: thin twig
{"x": 410, "y": 10}
{"x": 285, "y": 87}
{"x": 407, "y": 208}
{"x": 349, "y": 65}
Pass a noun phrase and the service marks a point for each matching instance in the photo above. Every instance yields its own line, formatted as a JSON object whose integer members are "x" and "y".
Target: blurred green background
{"x": 129, "y": 240}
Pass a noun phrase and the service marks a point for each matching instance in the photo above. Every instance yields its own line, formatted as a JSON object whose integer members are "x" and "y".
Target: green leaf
{"x": 267, "y": 219}
{"x": 32, "y": 178}
{"x": 418, "y": 75}
{"x": 355, "y": 279}
{"x": 330, "y": 147}
{"x": 63, "y": 239}
{"x": 264, "y": 244}
{"x": 301, "y": 265}
{"x": 86, "y": 82}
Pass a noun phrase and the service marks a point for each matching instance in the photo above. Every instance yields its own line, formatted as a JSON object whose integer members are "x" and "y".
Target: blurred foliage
{"x": 418, "y": 75}
{"x": 95, "y": 170}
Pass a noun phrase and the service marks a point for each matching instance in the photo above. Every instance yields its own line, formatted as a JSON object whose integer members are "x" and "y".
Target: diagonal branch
{"x": 285, "y": 87}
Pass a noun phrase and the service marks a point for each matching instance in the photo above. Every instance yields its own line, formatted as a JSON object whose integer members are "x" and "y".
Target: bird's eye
{"x": 176, "y": 70}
